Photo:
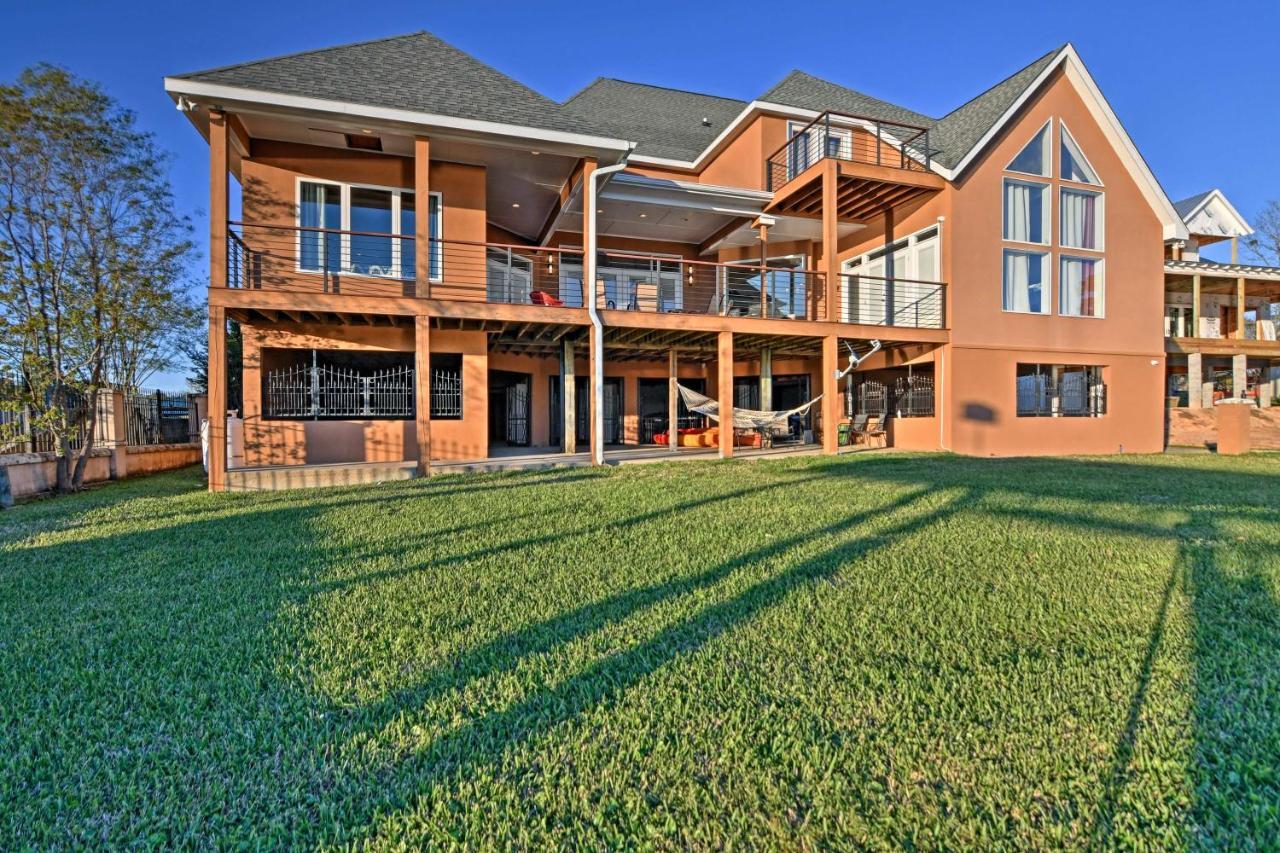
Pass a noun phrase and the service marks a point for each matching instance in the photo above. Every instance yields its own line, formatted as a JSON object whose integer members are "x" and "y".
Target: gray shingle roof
{"x": 662, "y": 122}
{"x": 953, "y": 135}
{"x": 417, "y": 72}
{"x": 421, "y": 73}
{"x": 807, "y": 92}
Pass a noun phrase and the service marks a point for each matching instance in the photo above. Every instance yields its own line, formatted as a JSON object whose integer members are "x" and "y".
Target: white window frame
{"x": 659, "y": 256}
{"x": 1046, "y": 156}
{"x": 844, "y": 134}
{"x": 1100, "y": 274}
{"x": 911, "y": 242}
{"x": 344, "y": 202}
{"x": 1047, "y": 292}
{"x": 1064, "y": 133}
{"x": 1046, "y": 211}
{"x": 1100, "y": 220}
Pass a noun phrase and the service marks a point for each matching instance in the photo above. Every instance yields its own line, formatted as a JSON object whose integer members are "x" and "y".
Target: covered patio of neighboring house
{"x": 1221, "y": 333}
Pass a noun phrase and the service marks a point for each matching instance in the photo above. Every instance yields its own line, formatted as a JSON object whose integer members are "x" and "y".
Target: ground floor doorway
{"x": 510, "y": 408}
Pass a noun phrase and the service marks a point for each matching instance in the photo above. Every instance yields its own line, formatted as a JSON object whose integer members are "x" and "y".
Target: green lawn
{"x": 899, "y": 649}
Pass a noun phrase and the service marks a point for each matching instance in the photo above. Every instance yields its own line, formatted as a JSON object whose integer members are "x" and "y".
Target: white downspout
{"x": 591, "y": 296}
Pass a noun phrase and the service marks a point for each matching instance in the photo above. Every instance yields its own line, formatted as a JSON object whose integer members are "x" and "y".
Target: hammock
{"x": 742, "y": 418}
{"x": 760, "y": 419}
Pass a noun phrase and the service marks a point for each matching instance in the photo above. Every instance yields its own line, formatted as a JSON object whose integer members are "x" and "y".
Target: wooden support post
{"x": 724, "y": 389}
{"x": 764, "y": 264}
{"x": 569, "y": 390}
{"x": 673, "y": 402}
{"x": 830, "y": 238}
{"x": 1195, "y": 306}
{"x": 422, "y": 216}
{"x": 588, "y": 169}
{"x": 217, "y": 374}
{"x": 1240, "y": 334}
{"x": 219, "y": 171}
{"x": 422, "y": 376}
{"x": 596, "y": 395}
{"x": 219, "y": 167}
{"x": 830, "y": 394}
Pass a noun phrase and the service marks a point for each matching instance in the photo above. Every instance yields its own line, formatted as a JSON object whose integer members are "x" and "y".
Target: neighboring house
{"x": 408, "y": 210}
{"x": 1220, "y": 319}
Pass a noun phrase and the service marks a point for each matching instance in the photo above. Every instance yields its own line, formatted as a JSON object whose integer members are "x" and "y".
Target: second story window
{"x": 363, "y": 230}
{"x": 1027, "y": 213}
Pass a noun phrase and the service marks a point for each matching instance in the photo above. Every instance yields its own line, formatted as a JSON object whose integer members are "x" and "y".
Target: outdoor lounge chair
{"x": 541, "y": 297}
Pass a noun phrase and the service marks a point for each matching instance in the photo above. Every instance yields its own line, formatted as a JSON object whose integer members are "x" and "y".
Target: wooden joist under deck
{"x": 863, "y": 191}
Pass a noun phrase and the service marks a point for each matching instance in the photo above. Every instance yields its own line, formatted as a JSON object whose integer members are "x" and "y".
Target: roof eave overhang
{"x": 241, "y": 100}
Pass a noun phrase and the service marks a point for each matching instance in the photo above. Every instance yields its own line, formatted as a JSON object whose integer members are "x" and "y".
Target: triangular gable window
{"x": 1074, "y": 166}
{"x": 1034, "y": 158}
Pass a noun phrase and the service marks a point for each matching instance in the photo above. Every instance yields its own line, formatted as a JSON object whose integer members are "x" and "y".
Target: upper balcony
{"x": 367, "y": 264}
{"x": 878, "y": 164}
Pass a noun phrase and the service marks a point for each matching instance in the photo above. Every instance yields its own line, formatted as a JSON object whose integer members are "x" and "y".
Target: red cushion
{"x": 541, "y": 297}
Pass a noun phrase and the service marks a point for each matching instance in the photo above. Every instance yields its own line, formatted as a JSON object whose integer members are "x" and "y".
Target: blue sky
{"x": 1195, "y": 84}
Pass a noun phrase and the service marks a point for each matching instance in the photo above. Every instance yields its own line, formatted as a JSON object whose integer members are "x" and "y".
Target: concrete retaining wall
{"x": 36, "y": 473}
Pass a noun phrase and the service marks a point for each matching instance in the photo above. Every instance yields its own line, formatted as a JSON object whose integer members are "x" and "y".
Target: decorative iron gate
{"x": 318, "y": 391}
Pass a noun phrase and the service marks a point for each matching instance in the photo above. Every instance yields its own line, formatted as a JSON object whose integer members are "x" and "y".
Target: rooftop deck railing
{"x": 853, "y": 138}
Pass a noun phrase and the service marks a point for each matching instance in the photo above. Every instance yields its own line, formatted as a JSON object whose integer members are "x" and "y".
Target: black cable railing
{"x": 853, "y": 138}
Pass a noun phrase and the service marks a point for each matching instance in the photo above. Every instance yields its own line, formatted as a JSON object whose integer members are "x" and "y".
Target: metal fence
{"x": 20, "y": 432}
{"x": 319, "y": 391}
{"x": 909, "y": 396}
{"x": 160, "y": 417}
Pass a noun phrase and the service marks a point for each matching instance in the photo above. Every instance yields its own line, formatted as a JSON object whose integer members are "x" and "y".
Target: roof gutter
{"x": 592, "y": 189}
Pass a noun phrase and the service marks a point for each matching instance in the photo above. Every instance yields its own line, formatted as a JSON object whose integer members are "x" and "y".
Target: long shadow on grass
{"x": 506, "y": 652}
{"x": 486, "y": 739}
{"x": 144, "y": 627}
{"x": 1230, "y": 576}
{"x": 558, "y": 537}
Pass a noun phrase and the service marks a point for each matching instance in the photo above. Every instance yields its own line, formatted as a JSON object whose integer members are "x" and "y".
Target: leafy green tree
{"x": 93, "y": 257}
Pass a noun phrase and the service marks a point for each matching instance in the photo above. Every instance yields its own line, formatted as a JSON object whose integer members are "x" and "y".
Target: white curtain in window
{"x": 1017, "y": 281}
{"x": 1079, "y": 220}
{"x": 1017, "y": 212}
{"x": 1078, "y": 287}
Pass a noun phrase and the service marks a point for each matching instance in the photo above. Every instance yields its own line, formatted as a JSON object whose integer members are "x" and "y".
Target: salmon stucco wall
{"x": 299, "y": 442}
{"x": 987, "y": 342}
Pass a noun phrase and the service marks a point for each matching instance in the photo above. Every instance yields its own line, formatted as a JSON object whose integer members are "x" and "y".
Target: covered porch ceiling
{"x": 708, "y": 216}
{"x": 523, "y": 180}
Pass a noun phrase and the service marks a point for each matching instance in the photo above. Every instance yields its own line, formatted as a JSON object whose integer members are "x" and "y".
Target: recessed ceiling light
{"x": 366, "y": 130}
{"x": 515, "y": 204}
{"x": 599, "y": 210}
{"x": 643, "y": 215}
{"x": 535, "y": 153}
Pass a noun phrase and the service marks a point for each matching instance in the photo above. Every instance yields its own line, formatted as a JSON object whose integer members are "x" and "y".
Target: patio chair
{"x": 865, "y": 428}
